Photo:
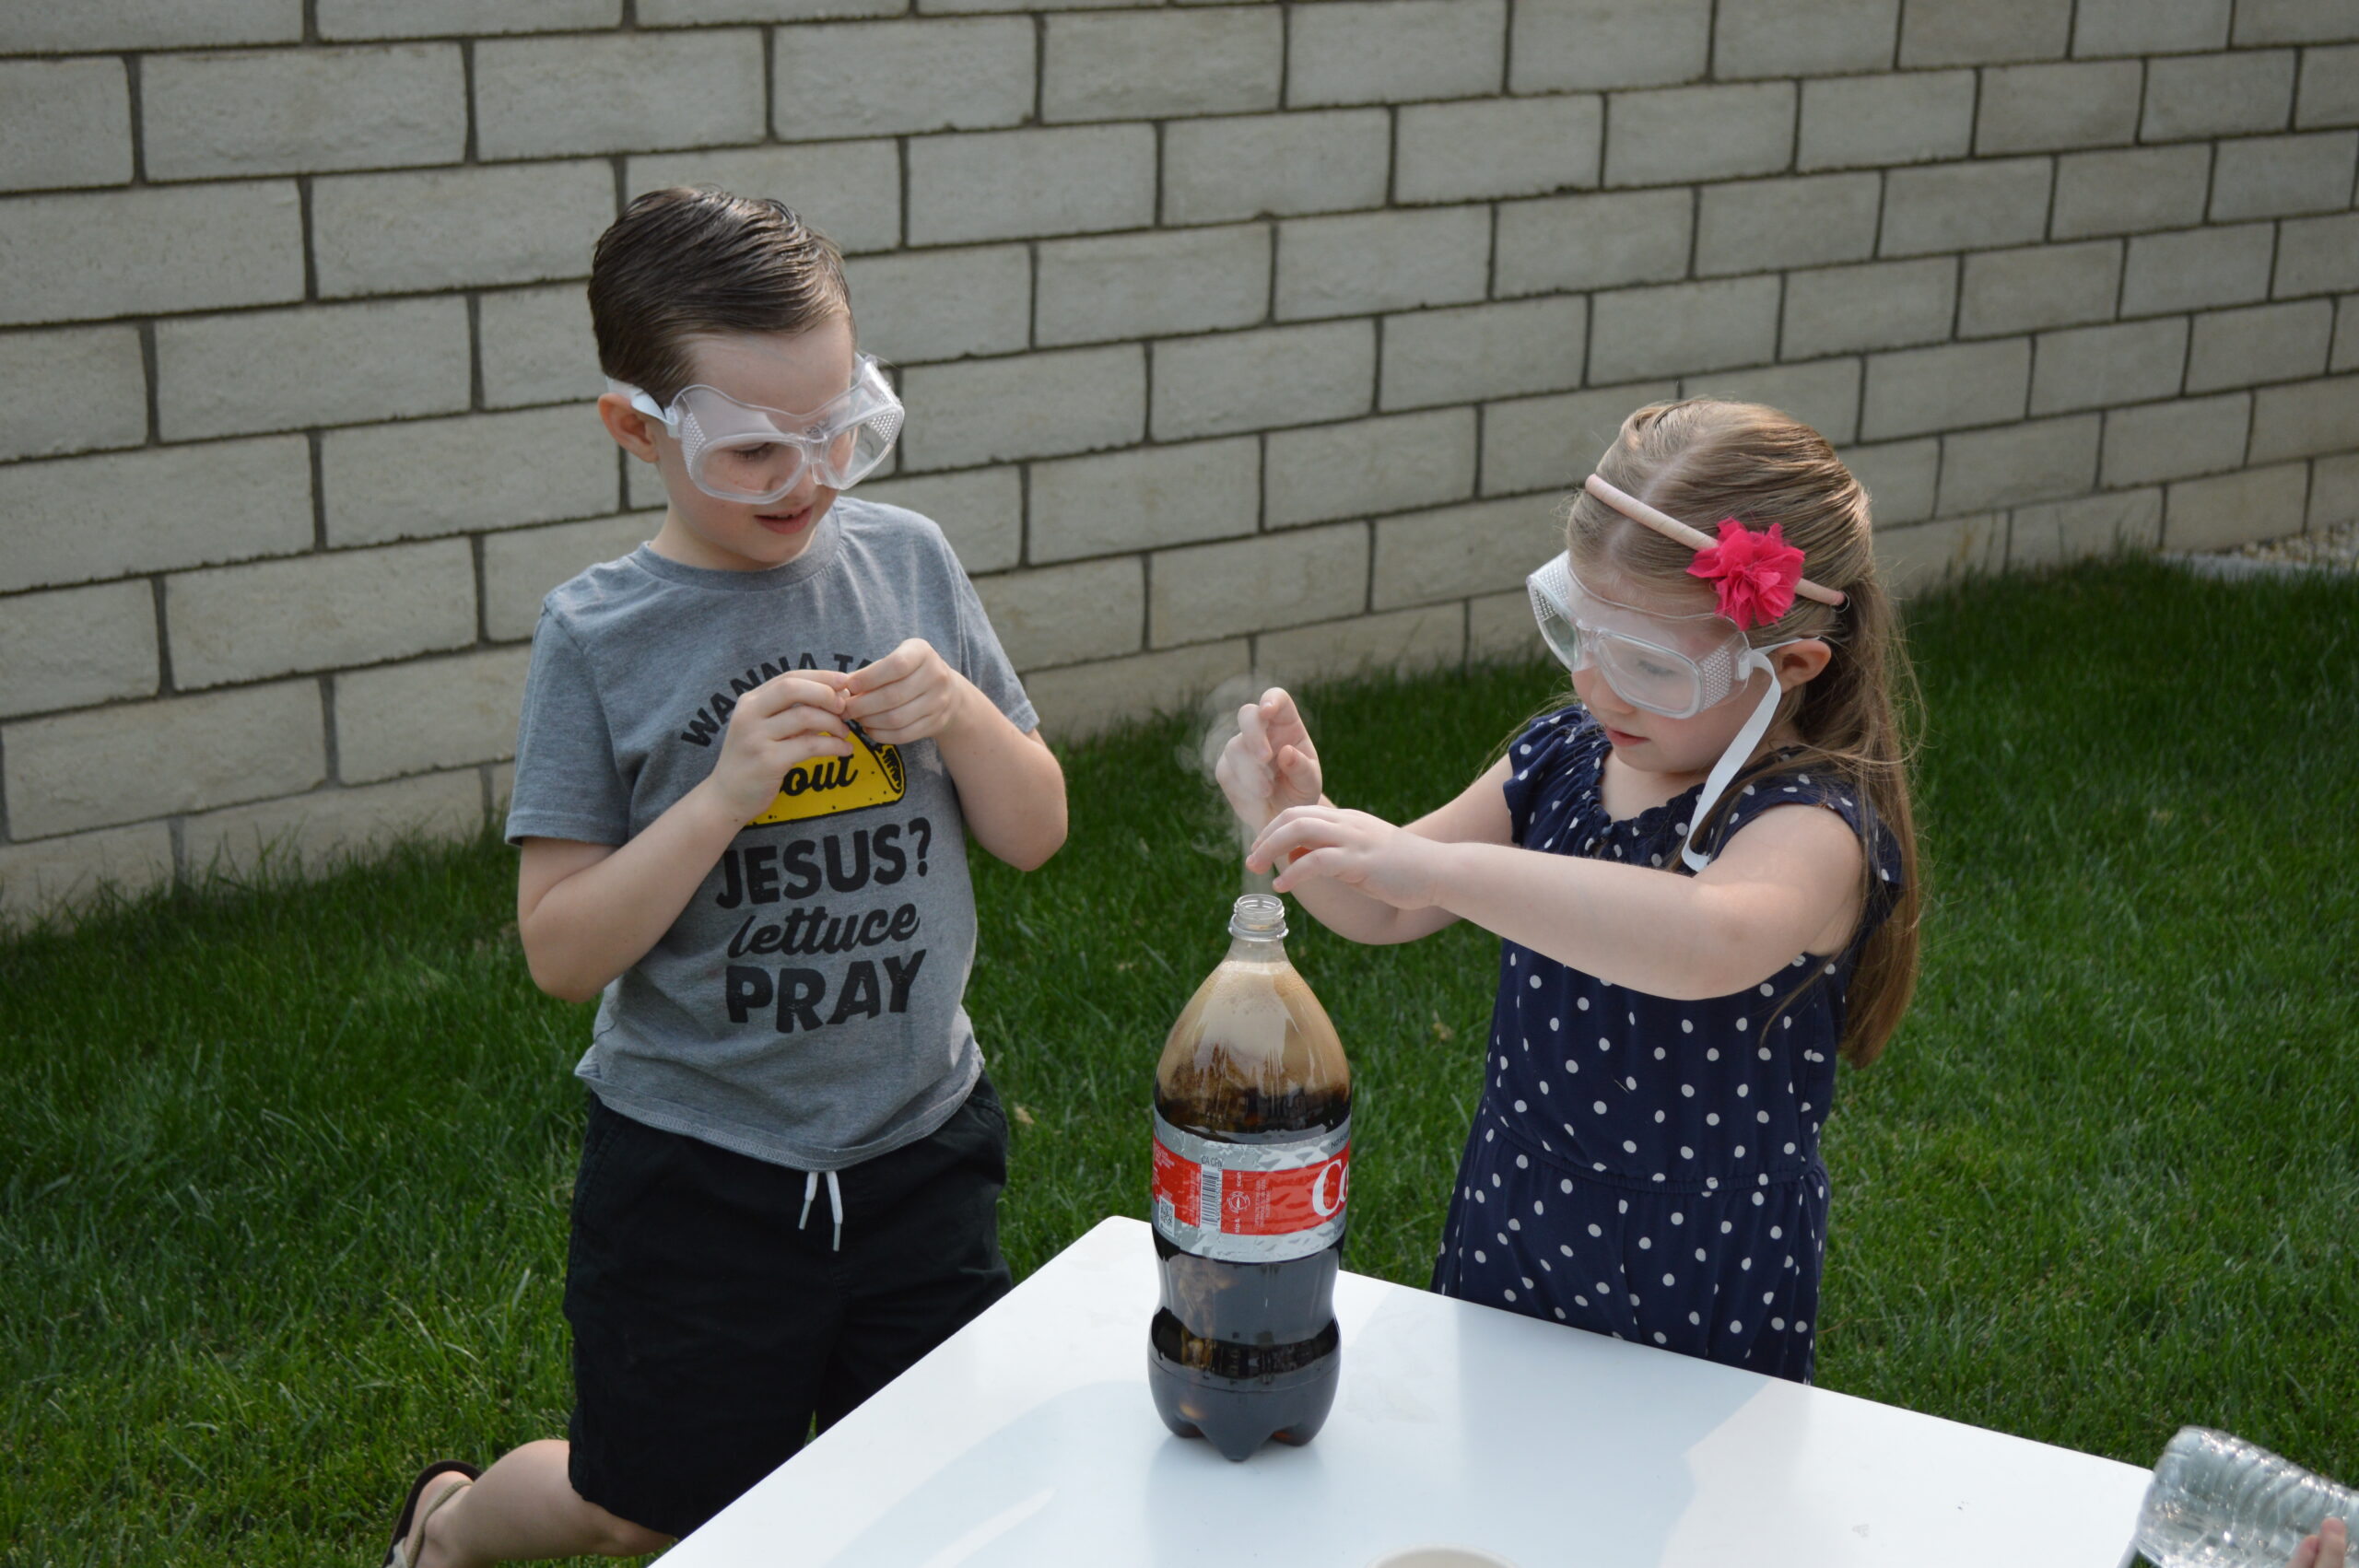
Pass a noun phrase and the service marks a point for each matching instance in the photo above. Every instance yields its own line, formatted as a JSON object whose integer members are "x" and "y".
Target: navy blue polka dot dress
{"x": 1639, "y": 1167}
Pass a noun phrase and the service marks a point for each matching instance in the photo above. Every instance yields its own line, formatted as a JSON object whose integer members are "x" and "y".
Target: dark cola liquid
{"x": 1244, "y": 1353}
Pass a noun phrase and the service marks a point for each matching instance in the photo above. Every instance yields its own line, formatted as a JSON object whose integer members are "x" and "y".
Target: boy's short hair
{"x": 681, "y": 264}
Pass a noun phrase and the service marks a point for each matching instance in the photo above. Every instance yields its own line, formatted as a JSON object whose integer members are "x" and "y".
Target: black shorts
{"x": 712, "y": 1326}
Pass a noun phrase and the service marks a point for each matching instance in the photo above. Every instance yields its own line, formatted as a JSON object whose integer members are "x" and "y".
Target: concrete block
{"x": 1565, "y": 45}
{"x": 1900, "y": 476}
{"x": 853, "y": 79}
{"x": 1382, "y": 260}
{"x": 2217, "y": 95}
{"x": 950, "y": 7}
{"x": 1768, "y": 225}
{"x": 64, "y": 123}
{"x": 2196, "y": 268}
{"x": 1395, "y": 51}
{"x": 521, "y": 565}
{"x": 1082, "y": 700}
{"x": 1368, "y": 466}
{"x": 1153, "y": 65}
{"x": 1433, "y": 636}
{"x": 83, "y": 389}
{"x": 2237, "y": 509}
{"x": 149, "y": 24}
{"x": 1275, "y": 165}
{"x": 1880, "y": 305}
{"x": 1478, "y": 351}
{"x": 1873, "y": 121}
{"x": 2266, "y": 342}
{"x": 1499, "y": 629}
{"x": 313, "y": 612}
{"x": 57, "y": 877}
{"x": 2042, "y": 108}
{"x": 2150, "y": 27}
{"x": 1016, "y": 184}
{"x": 920, "y": 306}
{"x": 303, "y": 111}
{"x": 535, "y": 347}
{"x": 317, "y": 832}
{"x": 1064, "y": 614}
{"x": 501, "y": 776}
{"x": 2345, "y": 356}
{"x": 2098, "y": 367}
{"x": 2131, "y": 191}
{"x": 622, "y": 92}
{"x": 2294, "y": 21}
{"x": 1985, "y": 204}
{"x": 458, "y": 227}
{"x": 150, "y": 250}
{"x": 428, "y": 714}
{"x": 311, "y": 366}
{"x": 1824, "y": 395}
{"x": 1569, "y": 243}
{"x": 2315, "y": 255}
{"x": 1134, "y": 500}
{"x": 1984, "y": 470}
{"x": 433, "y": 476}
{"x": 1481, "y": 547}
{"x": 77, "y": 647}
{"x": 2173, "y": 440}
{"x": 2334, "y": 491}
{"x": 1803, "y": 38}
{"x": 1684, "y": 327}
{"x": 343, "y": 19}
{"x": 2305, "y": 419}
{"x": 81, "y": 518}
{"x": 1264, "y": 583}
{"x": 2037, "y": 286}
{"x": 1914, "y": 390}
{"x": 2284, "y": 176}
{"x": 1026, "y": 405}
{"x": 1256, "y": 380}
{"x": 693, "y": 13}
{"x": 849, "y": 190}
{"x": 2330, "y": 94}
{"x": 1674, "y": 134}
{"x": 1153, "y": 285}
{"x": 1984, "y": 32}
{"x": 2056, "y": 531}
{"x": 1452, "y": 152}
{"x": 136, "y": 760}
{"x": 1929, "y": 557}
{"x": 1552, "y": 443}
{"x": 980, "y": 511}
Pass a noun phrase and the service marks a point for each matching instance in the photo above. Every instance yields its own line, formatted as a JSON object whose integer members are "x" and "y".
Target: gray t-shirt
{"x": 806, "y": 1006}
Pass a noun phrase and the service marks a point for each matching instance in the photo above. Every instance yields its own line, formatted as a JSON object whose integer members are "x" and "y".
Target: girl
{"x": 1702, "y": 875}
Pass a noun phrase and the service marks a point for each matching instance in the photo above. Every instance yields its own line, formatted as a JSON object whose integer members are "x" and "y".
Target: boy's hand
{"x": 2324, "y": 1549}
{"x": 912, "y": 694}
{"x": 1270, "y": 764}
{"x": 787, "y": 720}
{"x": 1388, "y": 863}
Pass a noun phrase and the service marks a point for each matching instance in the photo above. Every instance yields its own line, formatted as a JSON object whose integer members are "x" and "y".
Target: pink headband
{"x": 1756, "y": 575}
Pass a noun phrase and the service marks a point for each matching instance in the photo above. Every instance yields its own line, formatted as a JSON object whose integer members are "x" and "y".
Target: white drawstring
{"x": 835, "y": 1203}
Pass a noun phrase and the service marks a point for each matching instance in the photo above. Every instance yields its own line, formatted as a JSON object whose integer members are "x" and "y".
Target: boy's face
{"x": 796, "y": 372}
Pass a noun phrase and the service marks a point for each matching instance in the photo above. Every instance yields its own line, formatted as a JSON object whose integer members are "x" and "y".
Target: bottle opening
{"x": 1259, "y": 917}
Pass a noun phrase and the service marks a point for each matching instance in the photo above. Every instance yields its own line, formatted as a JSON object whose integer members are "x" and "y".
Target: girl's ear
{"x": 1799, "y": 663}
{"x": 630, "y": 428}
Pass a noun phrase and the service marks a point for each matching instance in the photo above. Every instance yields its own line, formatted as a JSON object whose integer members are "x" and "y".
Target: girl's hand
{"x": 2324, "y": 1549}
{"x": 912, "y": 694}
{"x": 1388, "y": 863}
{"x": 786, "y": 721}
{"x": 1270, "y": 764}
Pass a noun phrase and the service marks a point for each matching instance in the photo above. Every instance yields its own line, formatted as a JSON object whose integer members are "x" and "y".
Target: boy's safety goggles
{"x": 1674, "y": 665}
{"x": 743, "y": 451}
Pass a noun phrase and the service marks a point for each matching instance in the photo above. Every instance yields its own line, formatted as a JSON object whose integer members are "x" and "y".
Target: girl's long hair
{"x": 1702, "y": 460}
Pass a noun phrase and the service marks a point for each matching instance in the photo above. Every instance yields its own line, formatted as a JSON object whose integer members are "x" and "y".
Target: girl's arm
{"x": 1787, "y": 883}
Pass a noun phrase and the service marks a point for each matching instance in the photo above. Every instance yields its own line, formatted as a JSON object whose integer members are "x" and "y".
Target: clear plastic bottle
{"x": 2219, "y": 1502}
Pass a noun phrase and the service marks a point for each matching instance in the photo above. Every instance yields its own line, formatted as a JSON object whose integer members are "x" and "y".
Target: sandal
{"x": 397, "y": 1551}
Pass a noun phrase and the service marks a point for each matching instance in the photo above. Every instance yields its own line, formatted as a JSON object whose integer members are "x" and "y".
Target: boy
{"x": 750, "y": 753}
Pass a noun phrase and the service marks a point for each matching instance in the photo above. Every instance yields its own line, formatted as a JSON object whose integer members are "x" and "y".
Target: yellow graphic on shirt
{"x": 825, "y": 786}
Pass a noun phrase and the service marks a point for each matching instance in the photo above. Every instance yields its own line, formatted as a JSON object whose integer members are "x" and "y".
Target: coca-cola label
{"x": 1251, "y": 1202}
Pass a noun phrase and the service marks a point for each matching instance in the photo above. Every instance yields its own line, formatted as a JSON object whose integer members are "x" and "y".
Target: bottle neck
{"x": 1256, "y": 949}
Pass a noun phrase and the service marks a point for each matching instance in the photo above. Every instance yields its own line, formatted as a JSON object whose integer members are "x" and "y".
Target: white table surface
{"x": 1029, "y": 1439}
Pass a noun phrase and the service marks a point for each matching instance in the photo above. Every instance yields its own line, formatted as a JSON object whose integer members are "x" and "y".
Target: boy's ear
{"x": 1800, "y": 662}
{"x": 632, "y": 430}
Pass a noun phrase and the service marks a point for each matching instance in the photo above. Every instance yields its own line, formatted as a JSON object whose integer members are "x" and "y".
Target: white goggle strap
{"x": 1740, "y": 751}
{"x": 644, "y": 404}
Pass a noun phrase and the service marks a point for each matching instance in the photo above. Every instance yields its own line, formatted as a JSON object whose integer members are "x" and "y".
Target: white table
{"x": 1029, "y": 1439}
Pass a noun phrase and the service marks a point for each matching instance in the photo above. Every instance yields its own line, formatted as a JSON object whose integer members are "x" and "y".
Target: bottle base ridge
{"x": 1237, "y": 1415}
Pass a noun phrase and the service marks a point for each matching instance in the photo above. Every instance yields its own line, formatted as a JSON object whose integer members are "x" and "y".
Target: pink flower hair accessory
{"x": 1755, "y": 574}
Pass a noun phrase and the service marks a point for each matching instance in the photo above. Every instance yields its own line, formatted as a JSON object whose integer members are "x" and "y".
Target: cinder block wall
{"x": 1232, "y": 334}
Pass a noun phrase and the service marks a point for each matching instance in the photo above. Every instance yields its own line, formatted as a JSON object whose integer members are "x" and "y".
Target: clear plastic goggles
{"x": 1674, "y": 665}
{"x": 742, "y": 451}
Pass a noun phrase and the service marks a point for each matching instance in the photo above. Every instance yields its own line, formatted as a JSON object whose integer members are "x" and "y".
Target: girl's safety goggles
{"x": 742, "y": 451}
{"x": 1674, "y": 665}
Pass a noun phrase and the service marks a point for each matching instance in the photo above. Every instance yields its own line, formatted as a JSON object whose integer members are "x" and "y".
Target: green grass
{"x": 283, "y": 1175}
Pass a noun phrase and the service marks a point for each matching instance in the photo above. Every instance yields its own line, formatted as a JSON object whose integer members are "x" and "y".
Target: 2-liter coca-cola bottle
{"x": 1252, "y": 1169}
